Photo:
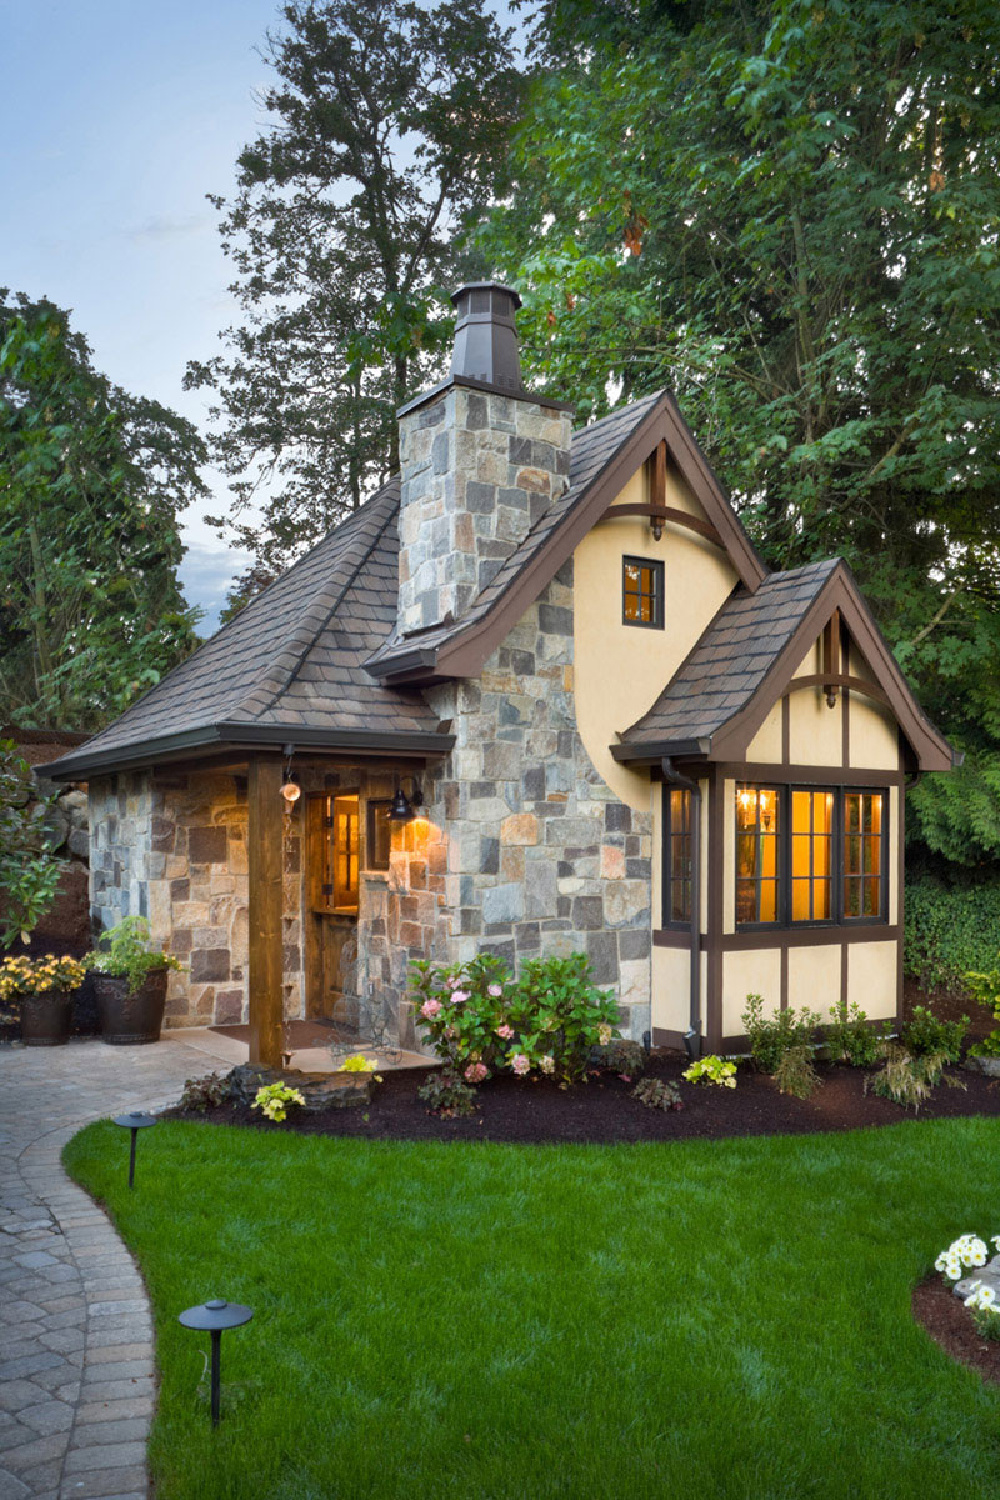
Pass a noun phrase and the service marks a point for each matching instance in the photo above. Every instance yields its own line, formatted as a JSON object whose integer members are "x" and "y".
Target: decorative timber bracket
{"x": 658, "y": 511}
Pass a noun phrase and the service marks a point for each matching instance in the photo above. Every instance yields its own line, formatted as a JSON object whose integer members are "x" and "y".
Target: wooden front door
{"x": 334, "y": 855}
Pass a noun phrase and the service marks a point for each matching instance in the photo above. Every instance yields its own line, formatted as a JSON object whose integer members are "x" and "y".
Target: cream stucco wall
{"x": 815, "y": 730}
{"x": 814, "y": 978}
{"x": 620, "y": 670}
{"x": 756, "y": 971}
{"x": 671, "y": 1007}
{"x": 871, "y": 979}
{"x": 766, "y": 743}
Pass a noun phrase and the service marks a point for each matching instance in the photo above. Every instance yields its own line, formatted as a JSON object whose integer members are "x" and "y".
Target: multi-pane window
{"x": 863, "y": 855}
{"x": 812, "y": 855}
{"x": 642, "y": 592}
{"x": 677, "y": 856}
{"x": 345, "y": 854}
{"x": 758, "y": 854}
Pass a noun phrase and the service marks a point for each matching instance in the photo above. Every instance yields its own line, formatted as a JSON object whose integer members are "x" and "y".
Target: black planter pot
{"x": 45, "y": 1018}
{"x": 130, "y": 1020}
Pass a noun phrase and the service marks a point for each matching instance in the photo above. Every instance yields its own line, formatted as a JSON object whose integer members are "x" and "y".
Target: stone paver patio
{"x": 76, "y": 1352}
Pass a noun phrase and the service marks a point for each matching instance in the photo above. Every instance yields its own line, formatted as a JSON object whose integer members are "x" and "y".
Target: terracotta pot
{"x": 131, "y": 1020}
{"x": 45, "y": 1018}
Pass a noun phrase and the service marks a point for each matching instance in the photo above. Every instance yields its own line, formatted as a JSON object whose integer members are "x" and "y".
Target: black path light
{"x": 212, "y": 1317}
{"x": 134, "y": 1122}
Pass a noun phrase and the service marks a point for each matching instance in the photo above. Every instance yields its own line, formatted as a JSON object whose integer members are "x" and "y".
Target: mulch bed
{"x": 946, "y": 1318}
{"x": 602, "y": 1111}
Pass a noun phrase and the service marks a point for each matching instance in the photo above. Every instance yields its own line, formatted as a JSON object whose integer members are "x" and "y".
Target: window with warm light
{"x": 863, "y": 856}
{"x": 642, "y": 592}
{"x": 345, "y": 854}
{"x": 677, "y": 856}
{"x": 812, "y": 855}
{"x": 379, "y": 834}
{"x": 758, "y": 855}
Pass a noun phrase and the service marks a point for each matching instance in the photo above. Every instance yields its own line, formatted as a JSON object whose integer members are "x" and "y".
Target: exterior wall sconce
{"x": 403, "y": 808}
{"x": 290, "y": 788}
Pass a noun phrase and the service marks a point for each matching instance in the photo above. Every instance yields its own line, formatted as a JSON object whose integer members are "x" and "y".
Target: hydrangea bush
{"x": 480, "y": 1020}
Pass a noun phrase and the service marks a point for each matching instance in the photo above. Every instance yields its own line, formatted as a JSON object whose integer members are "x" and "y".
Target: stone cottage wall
{"x": 542, "y": 858}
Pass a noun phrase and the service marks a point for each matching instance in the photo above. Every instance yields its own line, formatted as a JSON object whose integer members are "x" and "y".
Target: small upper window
{"x": 642, "y": 592}
{"x": 379, "y": 834}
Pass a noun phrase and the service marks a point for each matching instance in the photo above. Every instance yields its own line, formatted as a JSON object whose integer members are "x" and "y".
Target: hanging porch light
{"x": 290, "y": 788}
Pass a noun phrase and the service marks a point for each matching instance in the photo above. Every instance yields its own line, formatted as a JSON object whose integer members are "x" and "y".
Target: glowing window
{"x": 642, "y": 592}
{"x": 677, "y": 863}
{"x": 812, "y": 856}
{"x": 757, "y": 854}
{"x": 863, "y": 823}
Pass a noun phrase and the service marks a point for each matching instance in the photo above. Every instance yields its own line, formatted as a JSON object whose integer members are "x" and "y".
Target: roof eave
{"x": 243, "y": 738}
{"x": 653, "y": 752}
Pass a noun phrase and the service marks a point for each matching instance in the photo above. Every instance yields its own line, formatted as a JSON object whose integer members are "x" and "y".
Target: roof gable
{"x": 604, "y": 457}
{"x": 747, "y": 659}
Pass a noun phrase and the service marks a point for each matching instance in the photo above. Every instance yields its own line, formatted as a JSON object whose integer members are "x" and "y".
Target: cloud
{"x": 205, "y": 575}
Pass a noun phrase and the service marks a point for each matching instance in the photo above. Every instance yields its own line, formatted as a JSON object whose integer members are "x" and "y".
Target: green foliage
{"x": 950, "y": 929}
{"x": 623, "y": 1056}
{"x": 273, "y": 1100}
{"x": 477, "y": 1017}
{"x": 205, "y": 1093}
{"x": 908, "y": 1080}
{"x": 446, "y": 1095}
{"x": 711, "y": 1069}
{"x": 795, "y": 1073}
{"x": 772, "y": 1036}
{"x": 91, "y": 481}
{"x": 849, "y": 1037}
{"x": 788, "y": 212}
{"x": 127, "y": 950}
{"x": 658, "y": 1093}
{"x": 390, "y": 129}
{"x": 925, "y": 1034}
{"x": 29, "y": 869}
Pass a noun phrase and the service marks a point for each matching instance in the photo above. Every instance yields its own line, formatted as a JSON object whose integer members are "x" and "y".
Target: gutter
{"x": 692, "y": 1037}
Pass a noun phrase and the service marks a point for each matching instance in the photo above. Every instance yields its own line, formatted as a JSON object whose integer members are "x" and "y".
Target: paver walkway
{"x": 76, "y": 1352}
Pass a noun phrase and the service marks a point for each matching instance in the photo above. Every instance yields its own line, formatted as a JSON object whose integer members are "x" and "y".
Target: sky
{"x": 118, "y": 117}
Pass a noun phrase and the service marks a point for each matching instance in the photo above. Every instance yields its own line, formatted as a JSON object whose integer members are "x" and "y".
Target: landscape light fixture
{"x": 134, "y": 1122}
{"x": 213, "y": 1317}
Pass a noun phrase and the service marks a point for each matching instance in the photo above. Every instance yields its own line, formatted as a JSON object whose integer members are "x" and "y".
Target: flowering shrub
{"x": 969, "y": 1253}
{"x": 39, "y": 976}
{"x": 982, "y": 1303}
{"x": 711, "y": 1069}
{"x": 273, "y": 1098}
{"x": 546, "y": 1022}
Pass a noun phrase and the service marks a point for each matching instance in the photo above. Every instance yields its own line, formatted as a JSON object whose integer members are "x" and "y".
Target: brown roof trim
{"x": 234, "y": 736}
{"x": 464, "y": 654}
{"x": 929, "y": 745}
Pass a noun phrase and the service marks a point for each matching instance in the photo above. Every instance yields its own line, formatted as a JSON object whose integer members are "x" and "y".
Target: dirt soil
{"x": 949, "y": 1323}
{"x": 603, "y": 1111}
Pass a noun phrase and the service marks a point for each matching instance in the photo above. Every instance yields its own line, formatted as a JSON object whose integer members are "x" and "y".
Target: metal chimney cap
{"x": 487, "y": 286}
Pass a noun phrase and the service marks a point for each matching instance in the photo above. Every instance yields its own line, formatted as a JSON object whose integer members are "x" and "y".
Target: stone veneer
{"x": 477, "y": 470}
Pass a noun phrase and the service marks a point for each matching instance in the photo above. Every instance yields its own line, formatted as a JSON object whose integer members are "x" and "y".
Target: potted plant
{"x": 43, "y": 987}
{"x": 130, "y": 982}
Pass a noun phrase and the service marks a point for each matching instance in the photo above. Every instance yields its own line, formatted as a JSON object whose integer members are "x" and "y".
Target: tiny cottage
{"x": 538, "y": 695}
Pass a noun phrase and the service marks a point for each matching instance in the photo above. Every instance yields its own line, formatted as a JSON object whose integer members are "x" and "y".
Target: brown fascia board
{"x": 652, "y": 754}
{"x": 465, "y": 655}
{"x": 930, "y": 747}
{"x": 227, "y": 738}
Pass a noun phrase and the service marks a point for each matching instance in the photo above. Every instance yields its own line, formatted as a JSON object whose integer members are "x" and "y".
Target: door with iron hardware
{"x": 334, "y": 862}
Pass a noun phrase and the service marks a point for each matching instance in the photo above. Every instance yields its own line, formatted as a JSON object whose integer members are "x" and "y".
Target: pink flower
{"x": 454, "y": 982}
{"x": 475, "y": 1073}
{"x": 506, "y": 1032}
{"x": 496, "y": 990}
{"x": 429, "y": 1009}
{"x": 520, "y": 1064}
{"x": 458, "y": 996}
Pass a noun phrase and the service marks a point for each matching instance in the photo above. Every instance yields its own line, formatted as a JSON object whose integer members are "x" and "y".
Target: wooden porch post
{"x": 264, "y": 862}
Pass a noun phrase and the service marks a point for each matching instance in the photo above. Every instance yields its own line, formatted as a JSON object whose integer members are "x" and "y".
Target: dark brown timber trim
{"x": 804, "y": 775}
{"x": 716, "y": 907}
{"x": 264, "y": 861}
{"x": 666, "y": 513}
{"x": 900, "y": 901}
{"x": 845, "y": 700}
{"x": 783, "y": 937}
{"x": 828, "y": 680}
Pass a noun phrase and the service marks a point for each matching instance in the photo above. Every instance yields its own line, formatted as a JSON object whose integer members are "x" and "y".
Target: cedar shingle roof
{"x": 729, "y": 663}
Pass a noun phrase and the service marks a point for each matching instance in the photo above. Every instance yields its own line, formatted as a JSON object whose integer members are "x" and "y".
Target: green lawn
{"x": 718, "y": 1320}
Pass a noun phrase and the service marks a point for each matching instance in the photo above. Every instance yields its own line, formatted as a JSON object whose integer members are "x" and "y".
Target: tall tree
{"x": 789, "y": 210}
{"x": 389, "y": 134}
{"x": 91, "y": 481}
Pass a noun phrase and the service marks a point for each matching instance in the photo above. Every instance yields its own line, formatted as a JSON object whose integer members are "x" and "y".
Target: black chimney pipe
{"x": 486, "y": 335}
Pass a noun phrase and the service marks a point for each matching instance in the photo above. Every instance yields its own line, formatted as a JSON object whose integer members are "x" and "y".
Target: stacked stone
{"x": 478, "y": 470}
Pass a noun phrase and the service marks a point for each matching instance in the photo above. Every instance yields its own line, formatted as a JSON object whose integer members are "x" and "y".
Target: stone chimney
{"x": 481, "y": 458}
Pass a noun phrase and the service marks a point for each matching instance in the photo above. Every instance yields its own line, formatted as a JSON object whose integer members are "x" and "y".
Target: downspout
{"x": 692, "y": 1037}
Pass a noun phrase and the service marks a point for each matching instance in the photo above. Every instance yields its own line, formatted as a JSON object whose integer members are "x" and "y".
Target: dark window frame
{"x": 373, "y": 807}
{"x": 656, "y": 598}
{"x": 838, "y": 916}
{"x": 668, "y": 833}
